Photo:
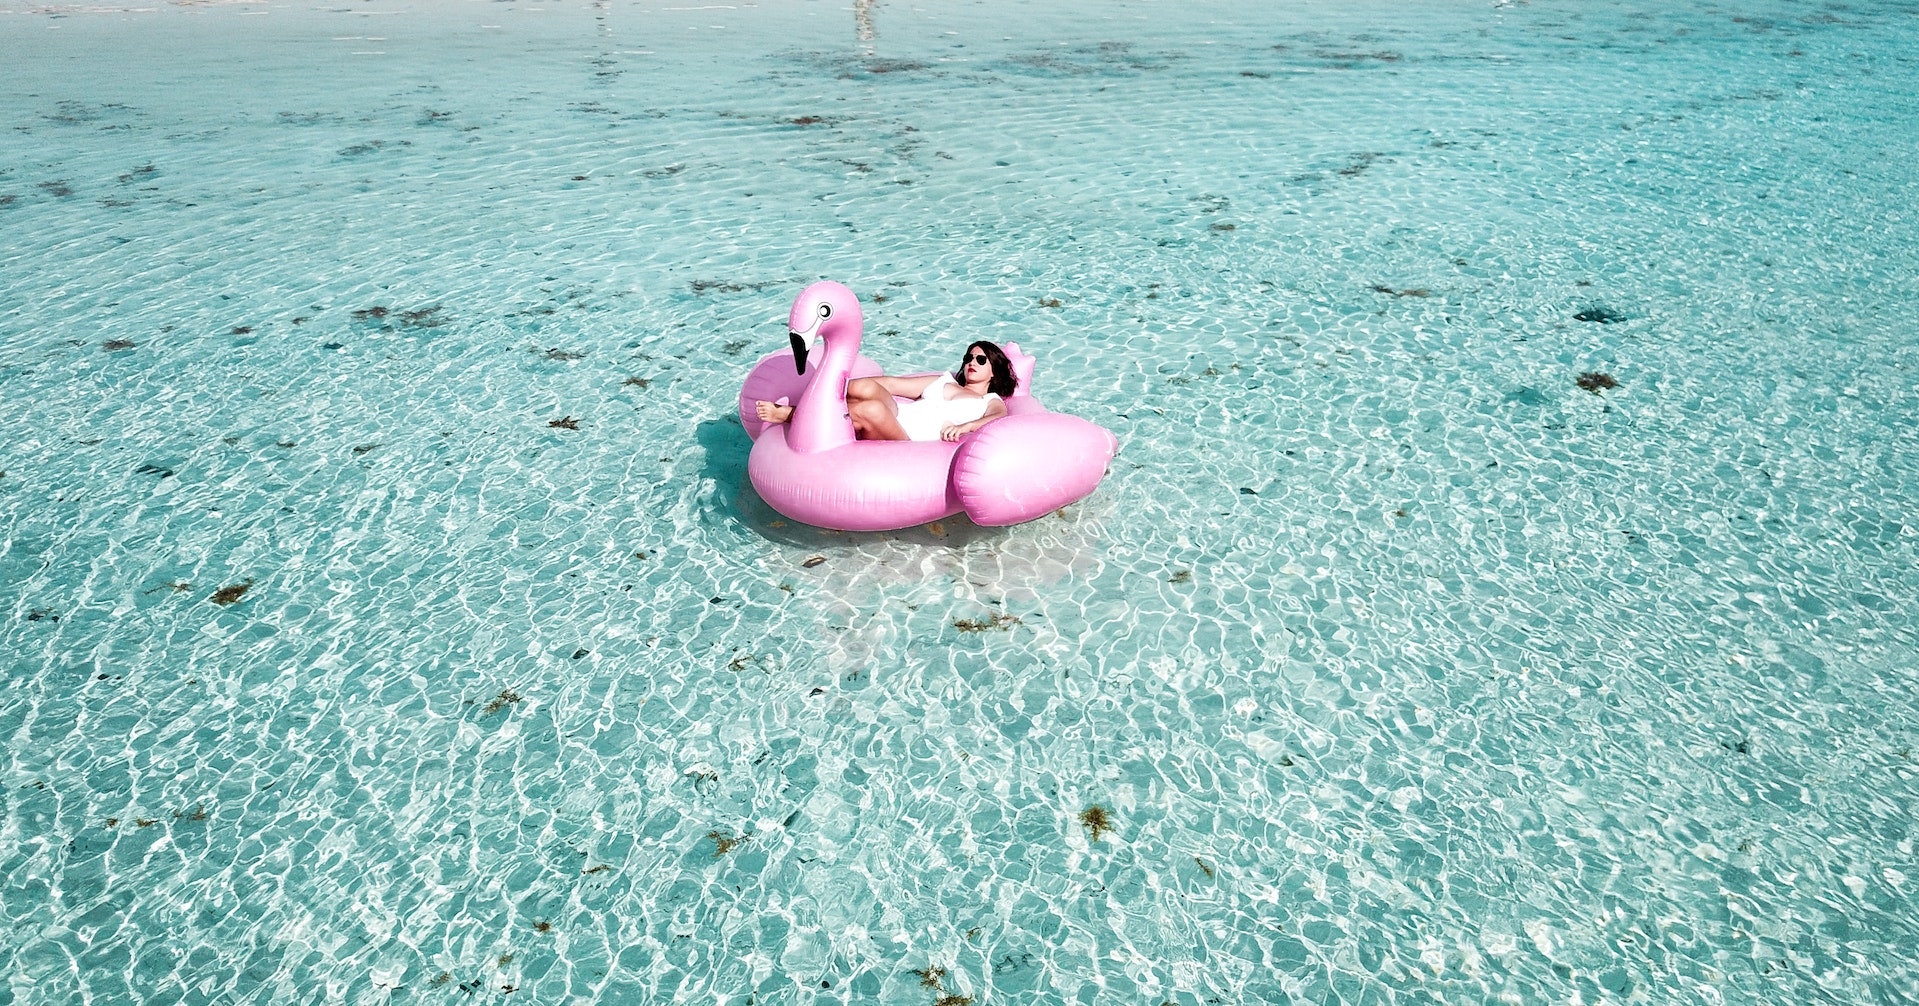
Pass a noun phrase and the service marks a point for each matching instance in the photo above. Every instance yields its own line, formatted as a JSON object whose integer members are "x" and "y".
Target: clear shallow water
{"x": 1405, "y": 668}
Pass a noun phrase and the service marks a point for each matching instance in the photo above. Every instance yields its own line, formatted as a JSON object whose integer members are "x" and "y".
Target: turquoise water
{"x": 1406, "y": 658}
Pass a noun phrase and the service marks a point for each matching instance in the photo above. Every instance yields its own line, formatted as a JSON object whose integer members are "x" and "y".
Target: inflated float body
{"x": 812, "y": 469}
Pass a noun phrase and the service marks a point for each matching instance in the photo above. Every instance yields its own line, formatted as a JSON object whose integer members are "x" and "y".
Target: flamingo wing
{"x": 1025, "y": 465}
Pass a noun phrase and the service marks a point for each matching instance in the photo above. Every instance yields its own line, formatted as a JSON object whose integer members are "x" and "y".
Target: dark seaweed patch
{"x": 1105, "y": 58}
{"x": 742, "y": 661}
{"x": 139, "y": 174}
{"x": 1359, "y": 162}
{"x": 231, "y": 593}
{"x": 999, "y": 620}
{"x": 702, "y": 287}
{"x": 363, "y": 149}
{"x": 931, "y": 977}
{"x": 1418, "y": 291}
{"x": 58, "y": 188}
{"x": 560, "y": 355}
{"x": 1597, "y": 381}
{"x": 506, "y": 698}
{"x": 43, "y": 615}
{"x": 564, "y": 423}
{"x": 636, "y": 382}
{"x": 74, "y": 113}
{"x": 117, "y": 345}
{"x": 1600, "y": 315}
{"x": 152, "y": 469}
{"x": 426, "y": 317}
{"x": 1098, "y": 820}
{"x": 724, "y": 843}
{"x": 1351, "y": 59}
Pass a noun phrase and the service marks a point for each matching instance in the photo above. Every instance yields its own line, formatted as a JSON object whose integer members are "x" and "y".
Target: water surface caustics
{"x": 1504, "y": 591}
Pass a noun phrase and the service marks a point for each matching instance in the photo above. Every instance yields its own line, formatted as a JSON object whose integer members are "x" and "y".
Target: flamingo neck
{"x": 820, "y": 421}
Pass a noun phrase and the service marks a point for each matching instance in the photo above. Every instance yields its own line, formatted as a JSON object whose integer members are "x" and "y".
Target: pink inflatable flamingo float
{"x": 810, "y": 468}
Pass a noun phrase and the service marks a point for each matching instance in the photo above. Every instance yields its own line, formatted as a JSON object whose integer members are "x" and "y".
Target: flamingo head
{"x": 823, "y": 312}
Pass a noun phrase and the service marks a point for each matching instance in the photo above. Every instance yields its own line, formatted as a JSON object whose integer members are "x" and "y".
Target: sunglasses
{"x": 979, "y": 358}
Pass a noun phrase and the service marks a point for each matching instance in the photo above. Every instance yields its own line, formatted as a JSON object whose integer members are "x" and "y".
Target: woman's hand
{"x": 995, "y": 409}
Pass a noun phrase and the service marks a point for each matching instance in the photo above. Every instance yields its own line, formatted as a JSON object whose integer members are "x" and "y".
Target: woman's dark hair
{"x": 1003, "y": 381}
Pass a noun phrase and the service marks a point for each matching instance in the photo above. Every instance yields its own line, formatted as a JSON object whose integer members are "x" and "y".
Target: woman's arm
{"x": 994, "y": 410}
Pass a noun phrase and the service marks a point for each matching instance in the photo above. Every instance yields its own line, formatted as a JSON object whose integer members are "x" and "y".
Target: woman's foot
{"x": 770, "y": 413}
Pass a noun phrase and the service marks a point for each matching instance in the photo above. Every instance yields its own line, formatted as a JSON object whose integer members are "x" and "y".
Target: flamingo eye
{"x": 826, "y": 310}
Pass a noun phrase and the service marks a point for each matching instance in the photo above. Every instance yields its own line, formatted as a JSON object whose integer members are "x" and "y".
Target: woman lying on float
{"x": 841, "y": 445}
{"x": 924, "y": 406}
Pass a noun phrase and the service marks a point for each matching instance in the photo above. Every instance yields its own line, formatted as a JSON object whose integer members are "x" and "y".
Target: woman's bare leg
{"x": 876, "y": 418}
{"x": 865, "y": 389}
{"x": 875, "y": 388}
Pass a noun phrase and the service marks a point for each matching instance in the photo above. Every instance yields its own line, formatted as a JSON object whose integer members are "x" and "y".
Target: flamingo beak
{"x": 799, "y": 351}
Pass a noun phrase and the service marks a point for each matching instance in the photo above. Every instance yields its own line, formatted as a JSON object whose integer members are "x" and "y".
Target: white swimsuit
{"x": 923, "y": 418}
